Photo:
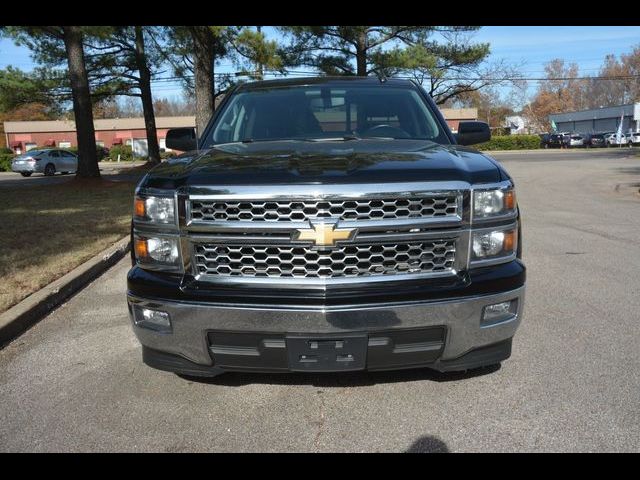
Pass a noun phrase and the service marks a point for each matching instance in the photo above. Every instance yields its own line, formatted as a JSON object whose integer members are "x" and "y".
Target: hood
{"x": 326, "y": 162}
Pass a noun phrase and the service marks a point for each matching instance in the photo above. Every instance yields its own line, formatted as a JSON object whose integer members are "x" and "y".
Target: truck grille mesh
{"x": 287, "y": 211}
{"x": 343, "y": 261}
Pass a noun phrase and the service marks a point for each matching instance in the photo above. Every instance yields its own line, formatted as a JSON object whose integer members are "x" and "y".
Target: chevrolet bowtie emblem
{"x": 324, "y": 234}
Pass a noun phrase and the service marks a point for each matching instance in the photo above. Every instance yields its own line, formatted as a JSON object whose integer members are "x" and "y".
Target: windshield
{"x": 32, "y": 153}
{"x": 316, "y": 113}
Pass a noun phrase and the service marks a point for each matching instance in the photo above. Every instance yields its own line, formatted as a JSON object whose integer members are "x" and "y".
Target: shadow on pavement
{"x": 341, "y": 379}
{"x": 428, "y": 444}
{"x": 629, "y": 170}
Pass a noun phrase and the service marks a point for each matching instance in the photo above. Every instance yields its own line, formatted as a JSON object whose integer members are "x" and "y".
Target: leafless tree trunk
{"x": 204, "y": 54}
{"x": 147, "y": 100}
{"x": 361, "y": 54}
{"x": 82, "y": 108}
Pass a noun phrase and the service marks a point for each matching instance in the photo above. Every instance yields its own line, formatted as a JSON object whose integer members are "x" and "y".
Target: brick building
{"x": 22, "y": 136}
{"x": 454, "y": 116}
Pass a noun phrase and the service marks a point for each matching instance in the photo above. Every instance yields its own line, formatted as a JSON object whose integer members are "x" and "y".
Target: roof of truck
{"x": 286, "y": 82}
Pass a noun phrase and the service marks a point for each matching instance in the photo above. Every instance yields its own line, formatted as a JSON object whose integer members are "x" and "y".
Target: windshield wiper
{"x": 351, "y": 137}
{"x": 329, "y": 139}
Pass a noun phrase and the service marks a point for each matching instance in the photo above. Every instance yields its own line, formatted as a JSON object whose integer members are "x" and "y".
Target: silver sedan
{"x": 47, "y": 161}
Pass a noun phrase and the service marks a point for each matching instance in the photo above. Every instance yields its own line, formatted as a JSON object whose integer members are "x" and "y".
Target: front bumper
{"x": 257, "y": 337}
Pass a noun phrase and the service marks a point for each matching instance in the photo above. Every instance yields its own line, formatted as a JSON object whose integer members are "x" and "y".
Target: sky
{"x": 529, "y": 46}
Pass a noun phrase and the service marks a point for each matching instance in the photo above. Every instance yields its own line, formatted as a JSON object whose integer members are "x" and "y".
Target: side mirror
{"x": 470, "y": 133}
{"x": 183, "y": 139}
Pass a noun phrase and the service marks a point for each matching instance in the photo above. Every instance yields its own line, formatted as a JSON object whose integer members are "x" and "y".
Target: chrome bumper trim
{"x": 461, "y": 317}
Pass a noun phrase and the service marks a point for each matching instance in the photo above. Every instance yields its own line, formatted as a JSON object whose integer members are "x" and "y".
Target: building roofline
{"x": 100, "y": 124}
{"x": 593, "y": 113}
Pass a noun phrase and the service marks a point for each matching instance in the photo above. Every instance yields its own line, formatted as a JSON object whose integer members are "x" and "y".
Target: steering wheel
{"x": 386, "y": 131}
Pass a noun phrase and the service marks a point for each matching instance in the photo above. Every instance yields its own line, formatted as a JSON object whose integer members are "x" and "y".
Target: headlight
{"x": 495, "y": 244}
{"x": 155, "y": 209}
{"x": 158, "y": 253}
{"x": 490, "y": 203}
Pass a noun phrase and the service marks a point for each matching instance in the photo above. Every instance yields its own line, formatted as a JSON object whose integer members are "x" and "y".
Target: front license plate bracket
{"x": 327, "y": 353}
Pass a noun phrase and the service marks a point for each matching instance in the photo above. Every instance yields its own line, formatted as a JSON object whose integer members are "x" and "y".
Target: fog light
{"x": 152, "y": 319}
{"x": 499, "y": 311}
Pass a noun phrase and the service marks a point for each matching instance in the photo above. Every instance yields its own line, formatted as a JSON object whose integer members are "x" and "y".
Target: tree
{"x": 631, "y": 63}
{"x": 607, "y": 89}
{"x": 127, "y": 107}
{"x": 165, "y": 107}
{"x": 491, "y": 107}
{"x": 19, "y": 89}
{"x": 106, "y": 108}
{"x": 341, "y": 50}
{"x": 361, "y": 50}
{"x": 128, "y": 61}
{"x": 192, "y": 52}
{"x": 87, "y": 155}
{"x": 66, "y": 42}
{"x": 447, "y": 70}
{"x": 195, "y": 50}
{"x": 562, "y": 91}
{"x": 252, "y": 53}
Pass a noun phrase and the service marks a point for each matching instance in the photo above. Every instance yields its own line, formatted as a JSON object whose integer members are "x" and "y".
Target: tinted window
{"x": 54, "y": 153}
{"x": 321, "y": 112}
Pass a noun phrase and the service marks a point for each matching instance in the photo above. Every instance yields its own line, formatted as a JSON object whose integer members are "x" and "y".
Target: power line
{"x": 470, "y": 79}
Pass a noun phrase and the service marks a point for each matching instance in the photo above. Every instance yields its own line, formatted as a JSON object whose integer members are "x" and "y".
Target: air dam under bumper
{"x": 212, "y": 338}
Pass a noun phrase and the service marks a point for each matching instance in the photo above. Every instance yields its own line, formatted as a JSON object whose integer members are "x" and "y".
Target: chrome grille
{"x": 346, "y": 261}
{"x": 287, "y": 211}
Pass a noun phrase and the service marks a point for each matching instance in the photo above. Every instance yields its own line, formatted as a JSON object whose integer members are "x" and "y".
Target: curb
{"x": 538, "y": 150}
{"x": 567, "y": 151}
{"x": 32, "y": 309}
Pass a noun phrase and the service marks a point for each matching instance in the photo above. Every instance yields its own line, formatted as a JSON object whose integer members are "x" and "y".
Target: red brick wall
{"x": 453, "y": 124}
{"x": 107, "y": 136}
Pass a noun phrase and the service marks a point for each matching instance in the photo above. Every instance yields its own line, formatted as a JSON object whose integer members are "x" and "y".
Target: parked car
{"x": 594, "y": 140}
{"x": 576, "y": 140}
{"x": 611, "y": 139}
{"x": 633, "y": 138}
{"x": 301, "y": 238}
{"x": 47, "y": 161}
{"x": 559, "y": 140}
{"x": 544, "y": 140}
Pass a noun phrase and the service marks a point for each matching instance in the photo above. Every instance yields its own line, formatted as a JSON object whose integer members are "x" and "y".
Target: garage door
{"x": 585, "y": 126}
{"x": 606, "y": 125}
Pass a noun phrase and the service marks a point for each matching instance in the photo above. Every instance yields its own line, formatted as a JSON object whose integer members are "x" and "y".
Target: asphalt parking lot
{"x": 75, "y": 381}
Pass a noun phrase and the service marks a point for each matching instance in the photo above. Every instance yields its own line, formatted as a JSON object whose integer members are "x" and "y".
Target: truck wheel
{"x": 25, "y": 174}
{"x": 49, "y": 170}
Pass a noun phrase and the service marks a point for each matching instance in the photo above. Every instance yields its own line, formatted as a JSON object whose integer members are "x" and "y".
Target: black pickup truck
{"x": 326, "y": 224}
